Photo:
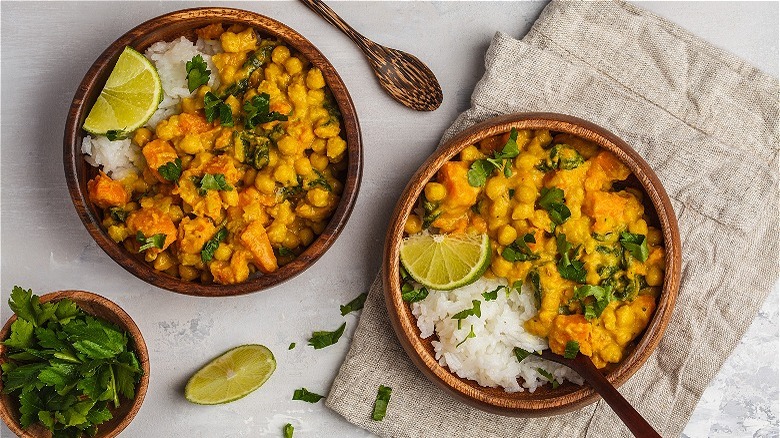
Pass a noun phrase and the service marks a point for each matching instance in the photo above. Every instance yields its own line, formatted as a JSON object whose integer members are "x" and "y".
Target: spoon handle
{"x": 327, "y": 13}
{"x": 632, "y": 419}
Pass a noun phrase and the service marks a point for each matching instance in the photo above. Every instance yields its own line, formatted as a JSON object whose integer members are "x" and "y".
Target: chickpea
{"x": 314, "y": 79}
{"x": 280, "y": 54}
{"x": 223, "y": 252}
{"x": 142, "y": 136}
{"x": 318, "y": 145}
{"x": 335, "y": 148}
{"x": 317, "y": 197}
{"x": 654, "y": 237}
{"x": 506, "y": 235}
{"x": 471, "y": 153}
{"x": 655, "y": 277}
{"x": 496, "y": 187}
{"x": 303, "y": 166}
{"x": 191, "y": 144}
{"x": 265, "y": 184}
{"x": 285, "y": 174}
{"x": 249, "y": 176}
{"x": 435, "y": 192}
{"x": 293, "y": 65}
{"x": 413, "y": 224}
{"x": 319, "y": 162}
{"x": 164, "y": 261}
{"x": 187, "y": 273}
{"x": 526, "y": 194}
{"x": 292, "y": 240}
{"x": 287, "y": 145}
{"x": 306, "y": 236}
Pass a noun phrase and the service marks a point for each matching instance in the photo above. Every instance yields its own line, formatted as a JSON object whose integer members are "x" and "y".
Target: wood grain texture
{"x": 166, "y": 28}
{"x": 404, "y": 77}
{"x": 544, "y": 401}
{"x": 100, "y": 307}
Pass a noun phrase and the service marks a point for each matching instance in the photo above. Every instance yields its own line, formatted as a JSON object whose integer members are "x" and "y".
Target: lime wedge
{"x": 130, "y": 97}
{"x": 231, "y": 376}
{"x": 446, "y": 261}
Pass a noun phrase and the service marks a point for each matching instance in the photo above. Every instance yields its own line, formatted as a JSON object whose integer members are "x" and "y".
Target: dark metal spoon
{"x": 585, "y": 368}
{"x": 402, "y": 75}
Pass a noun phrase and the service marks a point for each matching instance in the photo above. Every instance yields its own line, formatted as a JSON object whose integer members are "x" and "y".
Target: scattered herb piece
{"x": 256, "y": 149}
{"x": 119, "y": 214}
{"x": 551, "y": 199}
{"x": 257, "y": 111}
{"x": 156, "y": 241}
{"x": 572, "y": 348}
{"x": 285, "y": 252}
{"x": 197, "y": 73}
{"x": 474, "y": 310}
{"x": 482, "y": 168}
{"x": 288, "y": 430}
{"x": 213, "y": 182}
{"x": 562, "y": 156}
{"x": 536, "y": 283}
{"x": 171, "y": 170}
{"x": 468, "y": 336}
{"x": 321, "y": 182}
{"x": 116, "y": 134}
{"x": 211, "y": 245}
{"x": 492, "y": 295}
{"x": 322, "y": 339}
{"x": 292, "y": 345}
{"x": 303, "y": 394}
{"x": 636, "y": 244}
{"x": 521, "y": 354}
{"x": 518, "y": 251}
{"x": 65, "y": 366}
{"x": 380, "y": 405}
{"x": 546, "y": 374}
{"x": 214, "y": 108}
{"x": 569, "y": 269}
{"x": 411, "y": 295}
{"x": 354, "y": 305}
{"x": 602, "y": 296}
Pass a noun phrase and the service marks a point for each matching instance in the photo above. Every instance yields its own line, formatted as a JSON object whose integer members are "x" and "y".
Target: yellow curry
{"x": 243, "y": 179}
{"x": 560, "y": 216}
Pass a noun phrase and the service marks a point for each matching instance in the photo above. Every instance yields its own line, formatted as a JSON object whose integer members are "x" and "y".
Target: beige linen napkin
{"x": 707, "y": 123}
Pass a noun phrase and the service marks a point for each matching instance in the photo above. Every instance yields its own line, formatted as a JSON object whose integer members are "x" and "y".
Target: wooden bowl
{"x": 166, "y": 28}
{"x": 544, "y": 401}
{"x": 103, "y": 308}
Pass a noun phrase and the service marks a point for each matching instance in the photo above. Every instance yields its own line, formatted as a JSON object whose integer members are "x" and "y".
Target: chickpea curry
{"x": 560, "y": 216}
{"x": 243, "y": 179}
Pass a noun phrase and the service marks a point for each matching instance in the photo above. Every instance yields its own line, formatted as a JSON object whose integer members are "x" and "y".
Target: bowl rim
{"x": 126, "y": 323}
{"x": 404, "y": 323}
{"x": 73, "y": 159}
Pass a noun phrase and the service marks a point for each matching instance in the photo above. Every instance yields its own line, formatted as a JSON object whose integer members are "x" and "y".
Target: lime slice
{"x": 231, "y": 376}
{"x": 446, "y": 261}
{"x": 130, "y": 97}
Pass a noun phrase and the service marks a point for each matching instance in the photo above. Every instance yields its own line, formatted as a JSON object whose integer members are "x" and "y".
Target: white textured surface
{"x": 47, "y": 47}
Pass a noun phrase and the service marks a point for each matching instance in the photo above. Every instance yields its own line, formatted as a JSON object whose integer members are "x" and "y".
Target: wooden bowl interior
{"x": 167, "y": 28}
{"x": 544, "y": 401}
{"x": 103, "y": 308}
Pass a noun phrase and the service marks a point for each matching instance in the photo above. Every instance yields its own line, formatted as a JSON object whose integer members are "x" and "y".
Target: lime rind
{"x": 131, "y": 95}
{"x": 446, "y": 262}
{"x": 231, "y": 376}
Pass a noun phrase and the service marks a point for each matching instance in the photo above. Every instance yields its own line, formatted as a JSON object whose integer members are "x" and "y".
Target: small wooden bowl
{"x": 166, "y": 28}
{"x": 101, "y": 307}
{"x": 544, "y": 401}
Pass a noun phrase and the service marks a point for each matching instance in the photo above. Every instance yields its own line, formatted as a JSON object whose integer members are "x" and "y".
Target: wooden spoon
{"x": 585, "y": 368}
{"x": 402, "y": 75}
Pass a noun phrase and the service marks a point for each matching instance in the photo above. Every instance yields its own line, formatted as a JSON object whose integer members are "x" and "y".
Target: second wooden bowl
{"x": 544, "y": 401}
{"x": 166, "y": 28}
{"x": 100, "y": 307}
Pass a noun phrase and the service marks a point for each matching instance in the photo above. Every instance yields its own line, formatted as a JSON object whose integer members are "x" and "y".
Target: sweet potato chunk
{"x": 151, "y": 221}
{"x": 256, "y": 241}
{"x": 105, "y": 192}
{"x": 157, "y": 153}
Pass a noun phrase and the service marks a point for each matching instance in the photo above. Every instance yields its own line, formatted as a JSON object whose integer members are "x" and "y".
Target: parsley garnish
{"x": 468, "y": 336}
{"x": 546, "y": 374}
{"x": 492, "y": 295}
{"x": 320, "y": 181}
{"x": 119, "y": 214}
{"x": 354, "y": 305}
{"x": 171, "y": 170}
{"x": 518, "y": 251}
{"x": 551, "y": 199}
{"x": 322, "y": 339}
{"x": 292, "y": 345}
{"x": 213, "y": 182}
{"x": 411, "y": 295}
{"x": 257, "y": 111}
{"x": 211, "y": 245}
{"x": 562, "y": 156}
{"x": 572, "y": 348}
{"x": 303, "y": 394}
{"x": 380, "y": 404}
{"x": 573, "y": 270}
{"x": 285, "y": 252}
{"x": 482, "y": 168}
{"x": 288, "y": 430}
{"x": 636, "y": 244}
{"x": 64, "y": 366}
{"x": 602, "y": 296}
{"x": 116, "y": 134}
{"x": 536, "y": 283}
{"x": 156, "y": 241}
{"x": 214, "y": 108}
{"x": 521, "y": 354}
{"x": 197, "y": 73}
{"x": 474, "y": 310}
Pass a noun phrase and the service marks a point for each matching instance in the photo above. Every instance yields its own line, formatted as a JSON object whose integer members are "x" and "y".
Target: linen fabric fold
{"x": 707, "y": 123}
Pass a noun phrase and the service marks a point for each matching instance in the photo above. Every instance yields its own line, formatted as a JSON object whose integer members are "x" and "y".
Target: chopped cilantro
{"x": 292, "y": 345}
{"x": 546, "y": 374}
{"x": 288, "y": 430}
{"x": 380, "y": 404}
{"x": 468, "y": 336}
{"x": 215, "y": 181}
{"x": 520, "y": 353}
{"x": 551, "y": 199}
{"x": 411, "y": 295}
{"x": 354, "y": 305}
{"x": 119, "y": 214}
{"x": 322, "y": 339}
{"x": 257, "y": 111}
{"x": 215, "y": 108}
{"x": 474, "y": 310}
{"x": 492, "y": 295}
{"x": 572, "y": 348}
{"x": 636, "y": 244}
{"x": 197, "y": 73}
{"x": 602, "y": 296}
{"x": 116, "y": 134}
{"x": 482, "y": 168}
{"x": 569, "y": 269}
{"x": 211, "y": 245}
{"x": 171, "y": 171}
{"x": 156, "y": 241}
{"x": 518, "y": 251}
{"x": 303, "y": 394}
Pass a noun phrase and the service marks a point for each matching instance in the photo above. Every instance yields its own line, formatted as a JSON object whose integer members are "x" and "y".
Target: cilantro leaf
{"x": 303, "y": 394}
{"x": 572, "y": 348}
{"x": 551, "y": 199}
{"x": 601, "y": 295}
{"x": 547, "y": 375}
{"x": 410, "y": 295}
{"x": 492, "y": 295}
{"x": 171, "y": 171}
{"x": 155, "y": 241}
{"x": 116, "y": 134}
{"x": 197, "y": 73}
{"x": 21, "y": 335}
{"x": 479, "y": 171}
{"x": 30, "y": 405}
{"x": 211, "y": 245}
{"x": 257, "y": 111}
{"x": 636, "y": 244}
{"x": 354, "y": 305}
{"x": 215, "y": 181}
{"x": 381, "y": 402}
{"x": 24, "y": 304}
{"x": 520, "y": 353}
{"x": 468, "y": 336}
{"x": 214, "y": 108}
{"x": 322, "y": 339}
{"x": 518, "y": 251}
{"x": 97, "y": 339}
{"x": 292, "y": 345}
{"x": 119, "y": 214}
{"x": 573, "y": 270}
{"x": 474, "y": 310}
{"x": 536, "y": 283}
{"x": 288, "y": 430}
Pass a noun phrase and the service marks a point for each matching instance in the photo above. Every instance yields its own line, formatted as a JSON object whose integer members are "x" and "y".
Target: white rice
{"x": 120, "y": 158}
{"x": 488, "y": 357}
